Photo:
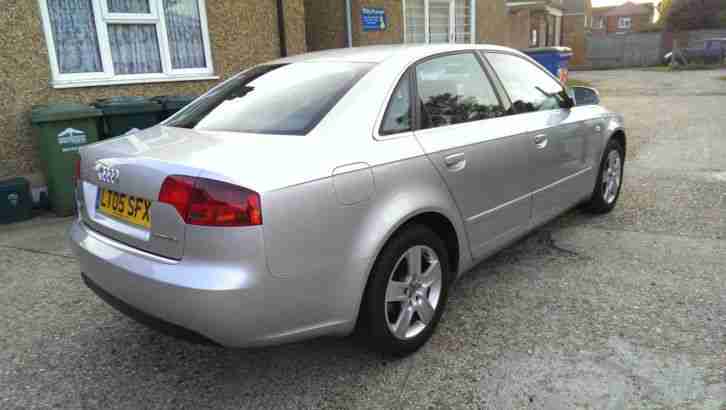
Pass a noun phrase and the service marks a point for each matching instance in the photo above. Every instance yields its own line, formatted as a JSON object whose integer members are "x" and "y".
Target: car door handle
{"x": 540, "y": 140}
{"x": 455, "y": 162}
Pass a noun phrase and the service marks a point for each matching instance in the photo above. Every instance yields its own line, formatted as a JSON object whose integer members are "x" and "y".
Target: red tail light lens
{"x": 207, "y": 202}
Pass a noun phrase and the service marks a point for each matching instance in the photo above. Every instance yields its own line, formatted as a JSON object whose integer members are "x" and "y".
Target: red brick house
{"x": 576, "y": 20}
{"x": 623, "y": 19}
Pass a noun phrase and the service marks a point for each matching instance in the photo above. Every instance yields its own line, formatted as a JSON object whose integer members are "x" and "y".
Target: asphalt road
{"x": 620, "y": 311}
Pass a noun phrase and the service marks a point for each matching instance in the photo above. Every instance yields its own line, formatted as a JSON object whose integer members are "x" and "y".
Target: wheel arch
{"x": 619, "y": 136}
{"x": 442, "y": 224}
{"x": 442, "y": 227}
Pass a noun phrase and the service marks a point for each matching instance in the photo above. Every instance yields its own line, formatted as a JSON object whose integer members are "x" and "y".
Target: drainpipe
{"x": 348, "y": 23}
{"x": 281, "y": 28}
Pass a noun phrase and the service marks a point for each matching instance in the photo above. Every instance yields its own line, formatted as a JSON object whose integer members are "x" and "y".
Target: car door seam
{"x": 474, "y": 218}
{"x": 561, "y": 180}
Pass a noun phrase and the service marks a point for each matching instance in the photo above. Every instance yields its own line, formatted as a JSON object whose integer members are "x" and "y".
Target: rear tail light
{"x": 207, "y": 202}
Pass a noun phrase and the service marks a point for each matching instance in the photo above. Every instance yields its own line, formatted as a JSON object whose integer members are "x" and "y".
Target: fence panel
{"x": 624, "y": 50}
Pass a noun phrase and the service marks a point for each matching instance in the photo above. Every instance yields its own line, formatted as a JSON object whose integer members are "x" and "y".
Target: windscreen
{"x": 272, "y": 99}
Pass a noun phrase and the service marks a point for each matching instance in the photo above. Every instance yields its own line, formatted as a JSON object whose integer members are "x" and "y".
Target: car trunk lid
{"x": 136, "y": 166}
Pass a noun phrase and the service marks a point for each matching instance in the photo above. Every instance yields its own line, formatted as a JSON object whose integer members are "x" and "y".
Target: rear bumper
{"x": 227, "y": 302}
{"x": 145, "y": 318}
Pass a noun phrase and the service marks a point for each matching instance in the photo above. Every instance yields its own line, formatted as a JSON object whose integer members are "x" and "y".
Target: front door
{"x": 561, "y": 143}
{"x": 480, "y": 152}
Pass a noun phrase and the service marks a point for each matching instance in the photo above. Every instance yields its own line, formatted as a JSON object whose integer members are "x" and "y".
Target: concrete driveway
{"x": 620, "y": 311}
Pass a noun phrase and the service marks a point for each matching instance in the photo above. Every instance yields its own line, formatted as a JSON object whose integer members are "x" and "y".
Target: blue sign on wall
{"x": 373, "y": 19}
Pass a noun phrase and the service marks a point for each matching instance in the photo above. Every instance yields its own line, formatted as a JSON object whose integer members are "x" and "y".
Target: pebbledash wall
{"x": 327, "y": 27}
{"x": 241, "y": 33}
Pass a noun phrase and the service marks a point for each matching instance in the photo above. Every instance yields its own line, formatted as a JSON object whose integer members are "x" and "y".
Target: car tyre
{"x": 406, "y": 292}
{"x": 609, "y": 179}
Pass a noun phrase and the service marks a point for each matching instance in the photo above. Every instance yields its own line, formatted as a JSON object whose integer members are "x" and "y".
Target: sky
{"x": 604, "y": 3}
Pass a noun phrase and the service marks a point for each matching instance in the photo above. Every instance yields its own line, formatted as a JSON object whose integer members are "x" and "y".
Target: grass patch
{"x": 660, "y": 69}
{"x": 578, "y": 83}
{"x": 689, "y": 67}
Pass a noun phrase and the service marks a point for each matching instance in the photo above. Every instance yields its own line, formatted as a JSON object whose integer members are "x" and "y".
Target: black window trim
{"x": 386, "y": 134}
{"x": 414, "y": 81}
{"x": 484, "y": 54}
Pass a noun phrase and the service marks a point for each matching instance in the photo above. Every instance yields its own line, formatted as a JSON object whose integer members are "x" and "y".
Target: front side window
{"x": 272, "y": 99}
{"x": 529, "y": 87}
{"x": 455, "y": 89}
{"x": 398, "y": 114}
{"x": 95, "y": 42}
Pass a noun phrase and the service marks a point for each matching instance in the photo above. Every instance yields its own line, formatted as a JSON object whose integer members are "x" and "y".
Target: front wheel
{"x": 609, "y": 179}
{"x": 406, "y": 292}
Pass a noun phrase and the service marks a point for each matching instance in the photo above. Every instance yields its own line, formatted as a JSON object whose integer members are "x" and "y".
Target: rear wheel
{"x": 609, "y": 179}
{"x": 406, "y": 292}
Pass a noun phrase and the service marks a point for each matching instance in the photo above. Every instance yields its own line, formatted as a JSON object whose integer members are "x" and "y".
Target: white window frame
{"x": 102, "y": 17}
{"x": 452, "y": 23}
{"x": 622, "y": 22}
{"x": 598, "y": 22}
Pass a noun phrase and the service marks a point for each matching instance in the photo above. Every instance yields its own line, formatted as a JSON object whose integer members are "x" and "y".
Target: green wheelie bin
{"x": 121, "y": 114}
{"x": 62, "y": 130}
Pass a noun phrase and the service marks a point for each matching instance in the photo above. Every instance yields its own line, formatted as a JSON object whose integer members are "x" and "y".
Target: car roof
{"x": 378, "y": 54}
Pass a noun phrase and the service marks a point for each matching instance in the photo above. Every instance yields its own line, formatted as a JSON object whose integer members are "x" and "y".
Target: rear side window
{"x": 398, "y": 114}
{"x": 455, "y": 89}
{"x": 272, "y": 99}
{"x": 529, "y": 87}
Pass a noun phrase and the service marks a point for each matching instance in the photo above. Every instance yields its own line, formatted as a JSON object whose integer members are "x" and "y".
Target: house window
{"x": 439, "y": 21}
{"x": 533, "y": 37}
{"x": 598, "y": 22}
{"x": 103, "y": 42}
{"x": 624, "y": 22}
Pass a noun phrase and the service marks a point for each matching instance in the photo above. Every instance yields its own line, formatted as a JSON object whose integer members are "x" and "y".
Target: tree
{"x": 695, "y": 14}
{"x": 664, "y": 7}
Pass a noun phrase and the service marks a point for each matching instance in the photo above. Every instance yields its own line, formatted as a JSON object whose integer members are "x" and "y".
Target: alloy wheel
{"x": 611, "y": 177}
{"x": 413, "y": 292}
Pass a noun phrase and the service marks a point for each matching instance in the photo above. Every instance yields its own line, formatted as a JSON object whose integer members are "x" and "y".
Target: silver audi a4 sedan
{"x": 337, "y": 191}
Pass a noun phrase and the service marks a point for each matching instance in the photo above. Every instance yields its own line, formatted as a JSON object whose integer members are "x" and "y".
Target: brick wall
{"x": 393, "y": 34}
{"x": 325, "y": 24}
{"x": 492, "y": 22}
{"x": 242, "y": 33}
{"x": 573, "y": 36}
{"x": 519, "y": 29}
{"x": 641, "y": 22}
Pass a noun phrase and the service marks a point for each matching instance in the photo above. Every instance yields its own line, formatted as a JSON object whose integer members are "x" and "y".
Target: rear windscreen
{"x": 272, "y": 99}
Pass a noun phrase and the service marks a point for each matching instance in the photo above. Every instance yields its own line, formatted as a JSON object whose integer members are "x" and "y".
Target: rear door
{"x": 557, "y": 141}
{"x": 481, "y": 153}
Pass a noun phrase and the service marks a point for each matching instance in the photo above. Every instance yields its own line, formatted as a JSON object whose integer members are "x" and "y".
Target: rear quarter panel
{"x": 311, "y": 235}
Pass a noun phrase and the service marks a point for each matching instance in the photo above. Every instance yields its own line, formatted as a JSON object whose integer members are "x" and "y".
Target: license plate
{"x": 127, "y": 208}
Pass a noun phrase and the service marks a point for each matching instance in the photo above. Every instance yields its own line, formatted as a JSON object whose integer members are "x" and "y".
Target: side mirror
{"x": 584, "y": 96}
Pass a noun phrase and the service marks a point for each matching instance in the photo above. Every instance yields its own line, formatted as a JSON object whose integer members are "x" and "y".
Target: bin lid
{"x": 174, "y": 101}
{"x": 127, "y": 105}
{"x": 547, "y": 50}
{"x": 15, "y": 183}
{"x": 62, "y": 112}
